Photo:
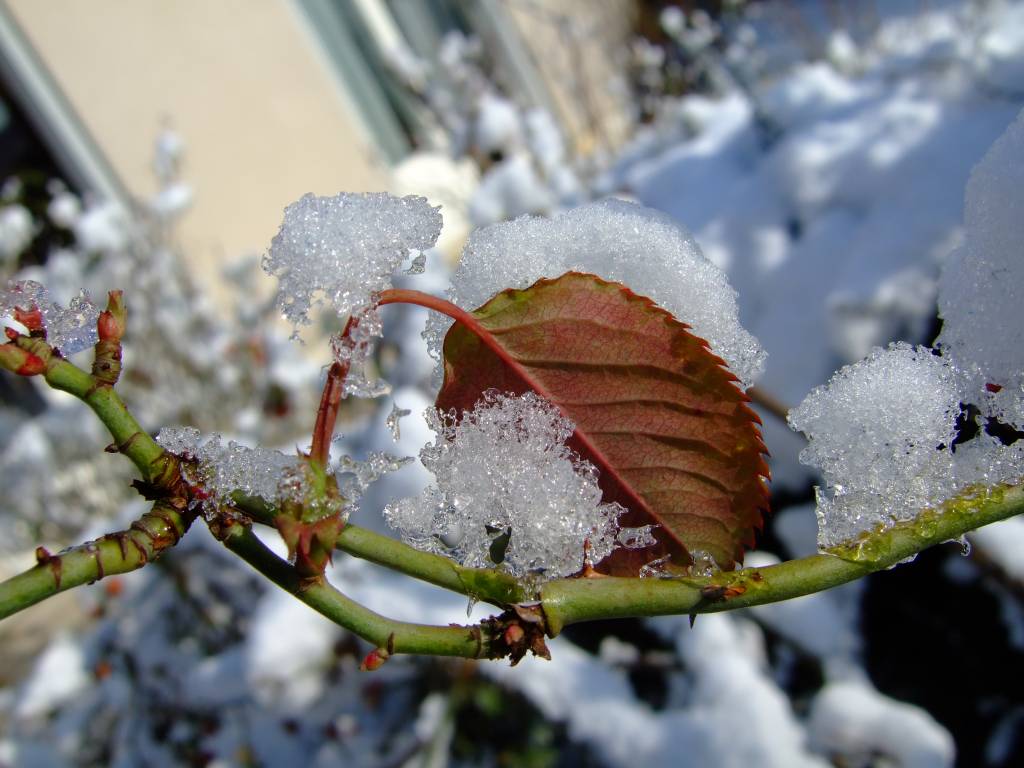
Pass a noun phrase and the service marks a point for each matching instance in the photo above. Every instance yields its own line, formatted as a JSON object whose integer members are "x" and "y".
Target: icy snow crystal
{"x": 222, "y": 469}
{"x": 340, "y": 250}
{"x": 509, "y": 492}
{"x": 880, "y": 432}
{"x": 981, "y": 291}
{"x": 618, "y": 241}
{"x": 68, "y": 330}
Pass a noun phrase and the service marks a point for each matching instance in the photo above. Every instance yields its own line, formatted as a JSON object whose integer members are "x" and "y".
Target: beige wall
{"x": 242, "y": 81}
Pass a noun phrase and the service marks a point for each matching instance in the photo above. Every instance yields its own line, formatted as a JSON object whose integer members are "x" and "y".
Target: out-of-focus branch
{"x": 769, "y": 402}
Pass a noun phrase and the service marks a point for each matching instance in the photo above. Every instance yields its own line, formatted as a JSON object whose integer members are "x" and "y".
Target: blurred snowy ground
{"x": 831, "y": 194}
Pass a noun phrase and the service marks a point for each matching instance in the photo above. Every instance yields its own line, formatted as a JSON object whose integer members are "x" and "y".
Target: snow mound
{"x": 882, "y": 431}
{"x": 852, "y": 720}
{"x": 618, "y": 241}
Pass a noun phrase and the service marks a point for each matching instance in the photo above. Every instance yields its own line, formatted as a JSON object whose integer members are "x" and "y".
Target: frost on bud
{"x": 110, "y": 327}
{"x": 509, "y": 492}
{"x": 67, "y": 330}
{"x": 21, "y": 362}
{"x": 219, "y": 470}
{"x": 311, "y": 512}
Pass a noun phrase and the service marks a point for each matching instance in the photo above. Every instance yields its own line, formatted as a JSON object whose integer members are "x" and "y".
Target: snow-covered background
{"x": 822, "y": 167}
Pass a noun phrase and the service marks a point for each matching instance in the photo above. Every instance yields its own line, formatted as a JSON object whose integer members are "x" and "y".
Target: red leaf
{"x": 655, "y": 411}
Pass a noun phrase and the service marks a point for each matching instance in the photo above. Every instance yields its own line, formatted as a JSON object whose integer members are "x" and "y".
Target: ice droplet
{"x": 354, "y": 476}
{"x": 703, "y": 563}
{"x": 637, "y": 538}
{"x": 655, "y": 569}
{"x": 965, "y": 546}
{"x": 418, "y": 265}
{"x": 392, "y": 421}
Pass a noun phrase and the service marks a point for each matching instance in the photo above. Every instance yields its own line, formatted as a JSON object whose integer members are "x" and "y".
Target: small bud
{"x": 112, "y": 322}
{"x": 374, "y": 660}
{"x": 21, "y": 362}
{"x": 514, "y": 635}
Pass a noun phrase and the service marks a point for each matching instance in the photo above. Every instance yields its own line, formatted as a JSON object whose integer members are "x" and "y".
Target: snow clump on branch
{"x": 884, "y": 431}
{"x": 68, "y": 330}
{"x": 618, "y": 241}
{"x": 510, "y": 493}
{"x": 220, "y": 470}
{"x": 880, "y": 432}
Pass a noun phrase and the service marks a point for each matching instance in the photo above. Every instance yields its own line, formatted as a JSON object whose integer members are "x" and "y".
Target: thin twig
{"x": 398, "y": 636}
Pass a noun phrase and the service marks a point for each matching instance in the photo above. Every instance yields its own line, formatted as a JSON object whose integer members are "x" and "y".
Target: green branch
{"x": 569, "y": 601}
{"x": 129, "y": 438}
{"x": 484, "y": 584}
{"x": 120, "y": 552}
{"x": 395, "y": 636}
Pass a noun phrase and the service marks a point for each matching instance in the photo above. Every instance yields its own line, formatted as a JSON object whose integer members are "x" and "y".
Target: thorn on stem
{"x": 53, "y": 562}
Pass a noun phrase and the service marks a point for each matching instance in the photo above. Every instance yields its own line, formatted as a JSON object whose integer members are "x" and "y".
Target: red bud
{"x": 514, "y": 634}
{"x": 32, "y": 319}
{"x": 111, "y": 324}
{"x": 374, "y": 660}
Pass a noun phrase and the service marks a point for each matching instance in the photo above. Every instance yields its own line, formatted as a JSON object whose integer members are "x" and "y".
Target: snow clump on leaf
{"x": 68, "y": 330}
{"x": 620, "y": 242}
{"x": 509, "y": 492}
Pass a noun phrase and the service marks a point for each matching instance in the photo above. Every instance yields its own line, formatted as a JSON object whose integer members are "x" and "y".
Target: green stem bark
{"x": 484, "y": 584}
{"x": 129, "y": 438}
{"x": 396, "y": 636}
{"x": 569, "y": 601}
{"x": 120, "y": 552}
